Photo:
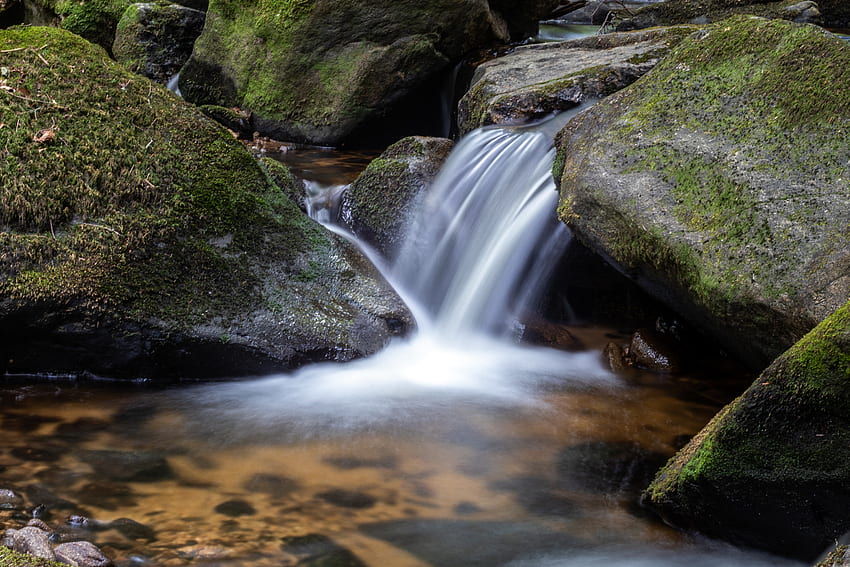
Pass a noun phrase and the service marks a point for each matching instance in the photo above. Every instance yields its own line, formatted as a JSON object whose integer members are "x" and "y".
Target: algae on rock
{"x": 773, "y": 468}
{"x": 140, "y": 240}
{"x": 719, "y": 181}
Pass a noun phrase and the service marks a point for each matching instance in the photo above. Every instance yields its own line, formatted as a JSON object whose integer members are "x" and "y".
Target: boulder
{"x": 32, "y": 541}
{"x": 95, "y": 20}
{"x": 533, "y": 81}
{"x": 141, "y": 240}
{"x": 315, "y": 71}
{"x": 15, "y": 559}
{"x": 155, "y": 39}
{"x": 377, "y": 206}
{"x": 772, "y": 469}
{"x": 707, "y": 11}
{"x": 718, "y": 181}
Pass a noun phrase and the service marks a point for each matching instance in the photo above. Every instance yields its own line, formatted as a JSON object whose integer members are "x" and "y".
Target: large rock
{"x": 707, "y": 11}
{"x": 773, "y": 468}
{"x": 155, "y": 39}
{"x": 719, "y": 181}
{"x": 533, "y": 81}
{"x": 95, "y": 20}
{"x": 377, "y": 206}
{"x": 140, "y": 240}
{"x": 316, "y": 70}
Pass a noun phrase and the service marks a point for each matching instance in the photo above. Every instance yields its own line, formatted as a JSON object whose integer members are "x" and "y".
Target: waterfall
{"x": 485, "y": 236}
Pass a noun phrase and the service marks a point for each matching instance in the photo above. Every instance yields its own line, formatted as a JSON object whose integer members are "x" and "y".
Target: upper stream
{"x": 454, "y": 447}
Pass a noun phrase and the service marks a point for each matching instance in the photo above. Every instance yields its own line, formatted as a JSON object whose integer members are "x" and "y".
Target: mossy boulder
{"x": 718, "y": 181}
{"x": 95, "y": 20}
{"x": 141, "y": 240}
{"x": 155, "y": 39}
{"x": 772, "y": 469}
{"x": 9, "y": 558}
{"x": 377, "y": 206}
{"x": 673, "y": 12}
{"x": 534, "y": 81}
{"x": 316, "y": 70}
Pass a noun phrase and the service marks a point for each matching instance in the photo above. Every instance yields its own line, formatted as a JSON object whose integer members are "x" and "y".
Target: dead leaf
{"x": 44, "y": 136}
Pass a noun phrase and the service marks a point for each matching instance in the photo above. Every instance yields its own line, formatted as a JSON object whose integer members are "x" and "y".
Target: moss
{"x": 132, "y": 188}
{"x": 9, "y": 558}
{"x": 95, "y": 20}
{"x": 683, "y": 11}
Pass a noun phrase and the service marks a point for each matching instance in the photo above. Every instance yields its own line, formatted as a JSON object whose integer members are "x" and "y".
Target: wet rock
{"x": 156, "y": 39}
{"x": 617, "y": 468}
{"x": 549, "y": 334}
{"x": 276, "y": 486}
{"x": 378, "y": 205}
{"x": 293, "y": 187}
{"x": 282, "y": 293}
{"x": 40, "y": 524}
{"x": 132, "y": 529}
{"x": 348, "y": 498}
{"x": 838, "y": 557}
{"x": 316, "y": 550}
{"x": 10, "y": 500}
{"x": 615, "y": 357}
{"x": 106, "y": 495}
{"x": 8, "y": 538}
{"x": 533, "y": 81}
{"x": 204, "y": 553}
{"x": 41, "y": 495}
{"x": 644, "y": 176}
{"x": 135, "y": 466}
{"x": 32, "y": 541}
{"x": 235, "y": 508}
{"x": 82, "y": 554}
{"x": 81, "y": 429}
{"x": 655, "y": 351}
{"x": 772, "y": 469}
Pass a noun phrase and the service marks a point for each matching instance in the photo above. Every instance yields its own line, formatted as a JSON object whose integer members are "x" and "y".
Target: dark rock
{"x": 270, "y": 289}
{"x": 235, "y": 508}
{"x": 534, "y": 81}
{"x": 156, "y": 39}
{"x": 348, "y": 498}
{"x": 615, "y": 358}
{"x": 772, "y": 469}
{"x": 81, "y": 429}
{"x": 32, "y": 541}
{"x": 40, "y": 524}
{"x": 106, "y": 495}
{"x": 132, "y": 529}
{"x": 351, "y": 462}
{"x": 283, "y": 177}
{"x": 41, "y": 495}
{"x": 718, "y": 201}
{"x": 275, "y": 486}
{"x": 316, "y": 72}
{"x": 621, "y": 468}
{"x": 234, "y": 120}
{"x": 466, "y": 508}
{"x": 833, "y": 13}
{"x": 549, "y": 334}
{"x": 316, "y": 550}
{"x": 377, "y": 207}
{"x": 82, "y": 554}
{"x": 10, "y": 500}
{"x": 139, "y": 466}
{"x": 655, "y": 351}
{"x": 38, "y": 454}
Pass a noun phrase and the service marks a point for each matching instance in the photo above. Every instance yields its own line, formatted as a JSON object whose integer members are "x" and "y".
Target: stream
{"x": 457, "y": 446}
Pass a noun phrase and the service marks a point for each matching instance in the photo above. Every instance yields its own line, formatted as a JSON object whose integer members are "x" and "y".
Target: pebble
{"x": 235, "y": 508}
{"x": 140, "y": 466}
{"x": 10, "y": 500}
{"x": 32, "y": 541}
{"x": 81, "y": 554}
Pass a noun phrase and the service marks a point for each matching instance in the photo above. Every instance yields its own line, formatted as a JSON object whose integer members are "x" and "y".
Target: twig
{"x": 112, "y": 230}
{"x": 13, "y": 50}
{"x": 28, "y": 99}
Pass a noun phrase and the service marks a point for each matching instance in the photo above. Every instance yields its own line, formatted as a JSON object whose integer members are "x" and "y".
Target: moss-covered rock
{"x": 534, "y": 81}
{"x": 378, "y": 204}
{"x": 155, "y": 39}
{"x": 9, "y": 558}
{"x": 95, "y": 20}
{"x": 315, "y": 70}
{"x": 719, "y": 181}
{"x": 838, "y": 557}
{"x": 673, "y": 12}
{"x": 773, "y": 468}
{"x": 140, "y": 239}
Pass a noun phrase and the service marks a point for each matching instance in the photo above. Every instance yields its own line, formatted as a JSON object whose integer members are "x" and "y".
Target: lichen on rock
{"x": 141, "y": 240}
{"x": 718, "y": 181}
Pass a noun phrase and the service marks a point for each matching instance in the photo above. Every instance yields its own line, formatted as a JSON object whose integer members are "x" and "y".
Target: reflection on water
{"x": 449, "y": 464}
{"x": 558, "y": 31}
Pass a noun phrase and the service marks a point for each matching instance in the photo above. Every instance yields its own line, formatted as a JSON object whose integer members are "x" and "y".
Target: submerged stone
{"x": 719, "y": 181}
{"x": 772, "y": 469}
{"x": 138, "y": 239}
{"x": 127, "y": 465}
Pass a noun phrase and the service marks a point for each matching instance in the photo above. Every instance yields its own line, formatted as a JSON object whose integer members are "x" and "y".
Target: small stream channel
{"x": 455, "y": 447}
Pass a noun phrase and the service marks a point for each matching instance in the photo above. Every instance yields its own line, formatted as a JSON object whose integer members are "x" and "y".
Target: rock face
{"x": 377, "y": 205}
{"x": 156, "y": 39}
{"x": 536, "y": 80}
{"x": 315, "y": 70}
{"x": 773, "y": 468}
{"x": 708, "y": 11}
{"x": 140, "y": 240}
{"x": 719, "y": 181}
